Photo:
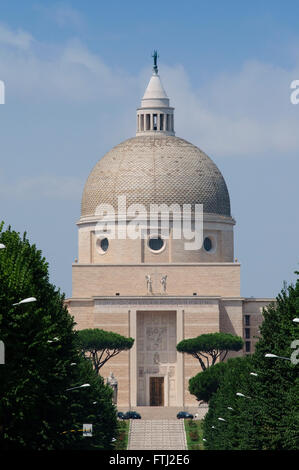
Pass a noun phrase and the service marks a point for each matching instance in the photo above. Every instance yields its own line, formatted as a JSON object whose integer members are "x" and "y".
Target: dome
{"x": 160, "y": 169}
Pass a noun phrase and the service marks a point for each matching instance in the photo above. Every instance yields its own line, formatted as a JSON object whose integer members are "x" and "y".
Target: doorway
{"x": 156, "y": 391}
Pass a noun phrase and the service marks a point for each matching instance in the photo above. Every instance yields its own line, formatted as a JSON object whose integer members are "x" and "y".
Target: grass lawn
{"x": 121, "y": 442}
{"x": 194, "y": 433}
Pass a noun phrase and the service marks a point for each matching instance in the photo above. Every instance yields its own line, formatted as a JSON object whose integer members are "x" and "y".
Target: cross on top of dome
{"x": 155, "y": 57}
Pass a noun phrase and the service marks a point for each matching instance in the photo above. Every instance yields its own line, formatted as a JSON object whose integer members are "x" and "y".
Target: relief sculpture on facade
{"x": 156, "y": 358}
{"x": 154, "y": 338}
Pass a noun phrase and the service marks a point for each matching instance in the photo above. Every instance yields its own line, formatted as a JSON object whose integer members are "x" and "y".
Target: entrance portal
{"x": 156, "y": 391}
{"x": 156, "y": 358}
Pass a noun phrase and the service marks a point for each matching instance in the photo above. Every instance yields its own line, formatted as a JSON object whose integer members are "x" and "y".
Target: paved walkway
{"x": 163, "y": 434}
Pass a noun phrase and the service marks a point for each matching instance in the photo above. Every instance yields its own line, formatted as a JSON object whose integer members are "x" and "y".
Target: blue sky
{"x": 74, "y": 74}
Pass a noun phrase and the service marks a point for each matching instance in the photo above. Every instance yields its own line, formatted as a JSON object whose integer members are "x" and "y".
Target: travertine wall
{"x": 122, "y": 251}
{"x": 214, "y": 279}
{"x": 231, "y": 319}
{"x": 82, "y": 311}
{"x": 254, "y": 309}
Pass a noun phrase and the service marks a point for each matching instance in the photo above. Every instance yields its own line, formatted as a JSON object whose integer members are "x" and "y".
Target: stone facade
{"x": 157, "y": 323}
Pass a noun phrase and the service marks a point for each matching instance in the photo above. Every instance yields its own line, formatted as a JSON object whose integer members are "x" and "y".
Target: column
{"x": 158, "y": 121}
{"x": 133, "y": 358}
{"x": 151, "y": 122}
{"x": 166, "y": 391}
{"x": 164, "y": 122}
{"x": 180, "y": 375}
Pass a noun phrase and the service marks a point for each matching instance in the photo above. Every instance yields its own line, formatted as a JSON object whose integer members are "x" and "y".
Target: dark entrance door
{"x": 156, "y": 391}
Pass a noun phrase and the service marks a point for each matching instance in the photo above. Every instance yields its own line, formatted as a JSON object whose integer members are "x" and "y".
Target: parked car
{"x": 184, "y": 415}
{"x": 132, "y": 415}
{"x": 120, "y": 415}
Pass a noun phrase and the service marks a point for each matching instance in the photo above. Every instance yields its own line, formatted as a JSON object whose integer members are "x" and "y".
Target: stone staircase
{"x": 157, "y": 434}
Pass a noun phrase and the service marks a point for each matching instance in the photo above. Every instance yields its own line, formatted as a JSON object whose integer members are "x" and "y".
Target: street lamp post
{"x": 25, "y": 301}
{"x": 242, "y": 395}
{"x": 79, "y": 386}
{"x": 239, "y": 394}
{"x": 52, "y": 340}
{"x": 278, "y": 357}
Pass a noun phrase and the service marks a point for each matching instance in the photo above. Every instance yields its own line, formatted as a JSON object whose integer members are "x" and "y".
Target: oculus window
{"x": 103, "y": 245}
{"x": 207, "y": 243}
{"x": 156, "y": 243}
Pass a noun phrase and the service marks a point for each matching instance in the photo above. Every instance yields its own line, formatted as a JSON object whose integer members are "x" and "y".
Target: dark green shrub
{"x": 191, "y": 424}
{"x": 194, "y": 435}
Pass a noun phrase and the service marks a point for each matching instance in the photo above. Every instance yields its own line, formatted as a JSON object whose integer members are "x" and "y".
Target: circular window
{"x": 207, "y": 243}
{"x": 156, "y": 243}
{"x": 103, "y": 245}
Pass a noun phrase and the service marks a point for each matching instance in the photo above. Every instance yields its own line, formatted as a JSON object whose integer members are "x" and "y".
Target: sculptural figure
{"x": 111, "y": 380}
{"x": 149, "y": 284}
{"x": 155, "y": 57}
{"x": 163, "y": 283}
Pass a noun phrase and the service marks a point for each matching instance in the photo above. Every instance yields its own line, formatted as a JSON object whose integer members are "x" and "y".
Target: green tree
{"x": 90, "y": 405}
{"x": 204, "y": 384}
{"x": 225, "y": 435}
{"x": 207, "y": 348}
{"x": 277, "y": 386}
{"x": 40, "y": 353}
{"x": 267, "y": 418}
{"x": 100, "y": 345}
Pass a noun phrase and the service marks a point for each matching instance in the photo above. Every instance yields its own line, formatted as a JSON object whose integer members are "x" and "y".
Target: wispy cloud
{"x": 18, "y": 39}
{"x": 73, "y": 73}
{"x": 245, "y": 114}
{"x": 62, "y": 14}
{"x": 53, "y": 187}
